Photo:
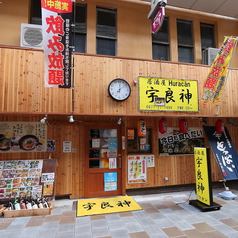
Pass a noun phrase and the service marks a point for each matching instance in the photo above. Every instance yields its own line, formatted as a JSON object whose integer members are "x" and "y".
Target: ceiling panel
{"x": 229, "y": 8}
{"x": 222, "y": 7}
{"x": 181, "y": 3}
{"x": 207, "y": 6}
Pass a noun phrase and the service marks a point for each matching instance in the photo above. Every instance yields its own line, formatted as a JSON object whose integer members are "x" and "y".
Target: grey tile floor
{"x": 163, "y": 215}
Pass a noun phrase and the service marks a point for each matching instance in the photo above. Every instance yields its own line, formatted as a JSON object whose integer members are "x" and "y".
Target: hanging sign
{"x": 203, "y": 176}
{"x": 57, "y": 39}
{"x": 163, "y": 94}
{"x": 157, "y": 20}
{"x": 215, "y": 81}
{"x": 224, "y": 152}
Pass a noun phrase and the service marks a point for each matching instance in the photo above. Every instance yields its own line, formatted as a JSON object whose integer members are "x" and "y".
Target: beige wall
{"x": 134, "y": 37}
{"x": 12, "y": 14}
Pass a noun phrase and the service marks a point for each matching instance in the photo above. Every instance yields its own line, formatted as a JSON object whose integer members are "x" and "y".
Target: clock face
{"x": 119, "y": 89}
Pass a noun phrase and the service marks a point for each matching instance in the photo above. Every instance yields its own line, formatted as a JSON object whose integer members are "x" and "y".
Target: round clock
{"x": 119, "y": 89}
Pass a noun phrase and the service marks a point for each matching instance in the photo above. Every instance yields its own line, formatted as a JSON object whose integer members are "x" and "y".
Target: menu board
{"x": 20, "y": 178}
{"x": 23, "y": 137}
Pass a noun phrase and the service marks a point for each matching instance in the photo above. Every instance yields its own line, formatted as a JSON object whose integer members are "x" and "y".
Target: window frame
{"x": 161, "y": 43}
{"x": 101, "y": 37}
{"x": 186, "y": 46}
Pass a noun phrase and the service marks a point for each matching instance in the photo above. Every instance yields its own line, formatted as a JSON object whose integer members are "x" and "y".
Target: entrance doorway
{"x": 103, "y": 161}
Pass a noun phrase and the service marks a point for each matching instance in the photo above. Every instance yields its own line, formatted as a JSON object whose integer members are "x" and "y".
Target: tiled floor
{"x": 163, "y": 215}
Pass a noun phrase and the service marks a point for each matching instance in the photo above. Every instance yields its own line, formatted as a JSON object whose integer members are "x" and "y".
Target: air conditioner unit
{"x": 31, "y": 36}
{"x": 208, "y": 55}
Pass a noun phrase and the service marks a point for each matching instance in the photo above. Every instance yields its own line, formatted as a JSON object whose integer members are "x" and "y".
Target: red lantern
{"x": 162, "y": 125}
{"x": 183, "y": 126}
{"x": 141, "y": 128}
{"x": 219, "y": 126}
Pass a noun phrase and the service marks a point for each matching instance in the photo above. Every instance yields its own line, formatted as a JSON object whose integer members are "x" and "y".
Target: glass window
{"x": 160, "y": 43}
{"x": 102, "y": 141}
{"x": 185, "y": 41}
{"x": 106, "y": 31}
{"x": 36, "y": 12}
{"x": 207, "y": 36}
{"x": 79, "y": 31}
{"x": 138, "y": 144}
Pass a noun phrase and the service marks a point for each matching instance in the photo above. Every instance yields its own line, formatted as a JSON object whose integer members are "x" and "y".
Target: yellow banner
{"x": 215, "y": 81}
{"x": 163, "y": 94}
{"x": 202, "y": 176}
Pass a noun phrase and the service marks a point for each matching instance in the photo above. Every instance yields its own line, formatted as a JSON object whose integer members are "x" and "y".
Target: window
{"x": 207, "y": 36}
{"x": 106, "y": 31}
{"x": 80, "y": 28}
{"x": 185, "y": 41}
{"x": 79, "y": 31}
{"x": 138, "y": 144}
{"x": 160, "y": 43}
{"x": 36, "y": 12}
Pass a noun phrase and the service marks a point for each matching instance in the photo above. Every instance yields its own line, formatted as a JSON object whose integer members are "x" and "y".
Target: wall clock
{"x": 119, "y": 89}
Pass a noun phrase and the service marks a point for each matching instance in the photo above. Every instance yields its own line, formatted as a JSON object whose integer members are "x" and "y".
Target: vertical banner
{"x": 224, "y": 152}
{"x": 203, "y": 176}
{"x": 57, "y": 39}
{"x": 215, "y": 81}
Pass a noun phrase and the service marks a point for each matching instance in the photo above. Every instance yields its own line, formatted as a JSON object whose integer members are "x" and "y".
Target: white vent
{"x": 208, "y": 55}
{"x": 31, "y": 36}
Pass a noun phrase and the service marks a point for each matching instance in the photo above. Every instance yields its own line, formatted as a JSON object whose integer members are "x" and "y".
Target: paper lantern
{"x": 183, "y": 126}
{"x": 219, "y": 126}
{"x": 162, "y": 125}
{"x": 141, "y": 128}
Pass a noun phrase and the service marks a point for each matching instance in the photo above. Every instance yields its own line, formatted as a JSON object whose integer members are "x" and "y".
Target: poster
{"x": 66, "y": 146}
{"x": 110, "y": 181}
{"x": 47, "y": 177}
{"x": 20, "y": 177}
{"x": 23, "y": 137}
{"x": 173, "y": 142}
{"x": 150, "y": 161}
{"x": 137, "y": 169}
{"x": 51, "y": 145}
{"x": 48, "y": 188}
{"x": 165, "y": 94}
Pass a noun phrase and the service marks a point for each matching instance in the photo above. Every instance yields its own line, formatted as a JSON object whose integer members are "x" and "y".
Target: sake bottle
{"x": 28, "y": 204}
{"x": 16, "y": 204}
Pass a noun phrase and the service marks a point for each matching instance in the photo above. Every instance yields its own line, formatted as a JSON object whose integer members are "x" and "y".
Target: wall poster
{"x": 173, "y": 142}
{"x": 137, "y": 169}
{"x": 23, "y": 137}
{"x": 20, "y": 178}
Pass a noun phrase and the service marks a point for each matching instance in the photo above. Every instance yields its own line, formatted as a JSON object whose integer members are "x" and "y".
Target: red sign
{"x": 157, "y": 20}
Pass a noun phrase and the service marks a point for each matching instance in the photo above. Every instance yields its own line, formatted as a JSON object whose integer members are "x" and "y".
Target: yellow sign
{"x": 203, "y": 189}
{"x": 163, "y": 94}
{"x": 106, "y": 205}
{"x": 215, "y": 81}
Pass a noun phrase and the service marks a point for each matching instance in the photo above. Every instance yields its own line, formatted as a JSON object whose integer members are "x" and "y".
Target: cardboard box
{"x": 2, "y": 208}
{"x": 28, "y": 212}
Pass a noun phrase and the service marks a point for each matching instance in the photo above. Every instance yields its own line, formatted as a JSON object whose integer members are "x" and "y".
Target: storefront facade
{"x": 100, "y": 154}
